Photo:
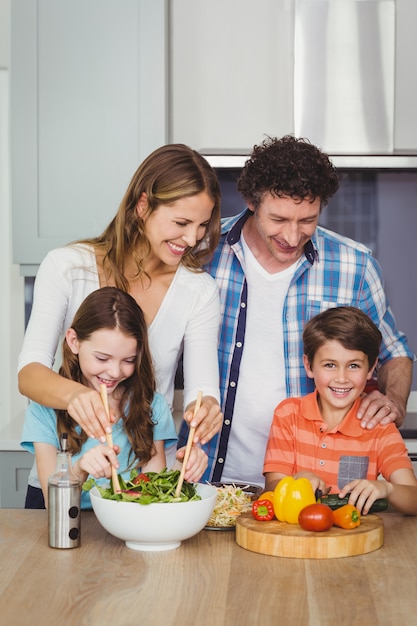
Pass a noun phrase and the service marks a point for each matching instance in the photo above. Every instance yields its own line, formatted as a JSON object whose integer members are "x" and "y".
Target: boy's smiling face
{"x": 340, "y": 376}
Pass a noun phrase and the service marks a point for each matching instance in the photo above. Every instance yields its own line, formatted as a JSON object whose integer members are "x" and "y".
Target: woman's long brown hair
{"x": 111, "y": 308}
{"x": 168, "y": 174}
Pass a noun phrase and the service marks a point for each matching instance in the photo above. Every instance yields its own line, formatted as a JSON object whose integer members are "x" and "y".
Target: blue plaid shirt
{"x": 334, "y": 271}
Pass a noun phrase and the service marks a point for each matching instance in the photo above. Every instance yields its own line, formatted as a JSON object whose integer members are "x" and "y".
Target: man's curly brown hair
{"x": 288, "y": 166}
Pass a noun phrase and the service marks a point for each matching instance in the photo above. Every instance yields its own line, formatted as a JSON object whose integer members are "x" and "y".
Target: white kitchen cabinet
{"x": 231, "y": 68}
{"x": 14, "y": 472}
{"x": 15, "y": 465}
{"x": 88, "y": 103}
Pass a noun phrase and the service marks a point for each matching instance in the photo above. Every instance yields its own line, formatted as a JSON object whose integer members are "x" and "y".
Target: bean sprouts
{"x": 231, "y": 502}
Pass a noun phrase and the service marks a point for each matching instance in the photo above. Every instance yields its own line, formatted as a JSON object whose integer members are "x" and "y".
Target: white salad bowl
{"x": 156, "y": 526}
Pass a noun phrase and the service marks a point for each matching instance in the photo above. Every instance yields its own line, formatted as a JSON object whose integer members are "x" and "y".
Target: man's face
{"x": 285, "y": 225}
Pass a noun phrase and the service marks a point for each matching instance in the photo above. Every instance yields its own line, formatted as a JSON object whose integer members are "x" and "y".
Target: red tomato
{"x": 317, "y": 517}
{"x": 141, "y": 477}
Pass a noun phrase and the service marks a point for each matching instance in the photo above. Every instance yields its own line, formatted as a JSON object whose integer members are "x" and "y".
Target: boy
{"x": 319, "y": 437}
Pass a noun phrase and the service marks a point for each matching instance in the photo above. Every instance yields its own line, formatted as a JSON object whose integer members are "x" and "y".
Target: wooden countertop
{"x": 208, "y": 580}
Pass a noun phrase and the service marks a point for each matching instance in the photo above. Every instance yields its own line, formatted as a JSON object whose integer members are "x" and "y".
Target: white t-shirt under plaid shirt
{"x": 261, "y": 370}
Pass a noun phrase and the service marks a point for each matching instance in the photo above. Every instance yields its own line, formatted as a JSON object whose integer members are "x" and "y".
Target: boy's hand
{"x": 316, "y": 481}
{"x": 363, "y": 493}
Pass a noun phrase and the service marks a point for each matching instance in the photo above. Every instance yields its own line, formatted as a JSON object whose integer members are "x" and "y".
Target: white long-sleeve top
{"x": 187, "y": 320}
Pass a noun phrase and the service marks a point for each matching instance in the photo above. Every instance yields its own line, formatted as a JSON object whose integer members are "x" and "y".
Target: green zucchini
{"x": 334, "y": 502}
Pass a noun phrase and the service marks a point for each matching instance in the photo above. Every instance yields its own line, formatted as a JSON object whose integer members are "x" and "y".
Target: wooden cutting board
{"x": 290, "y": 540}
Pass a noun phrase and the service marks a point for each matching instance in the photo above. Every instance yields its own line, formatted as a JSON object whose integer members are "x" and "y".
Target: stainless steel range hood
{"x": 343, "y": 84}
{"x": 344, "y": 74}
{"x": 341, "y": 161}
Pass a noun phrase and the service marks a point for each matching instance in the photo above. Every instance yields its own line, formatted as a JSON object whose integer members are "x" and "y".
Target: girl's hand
{"x": 196, "y": 465}
{"x": 207, "y": 421}
{"x": 98, "y": 461}
{"x": 363, "y": 493}
{"x": 86, "y": 408}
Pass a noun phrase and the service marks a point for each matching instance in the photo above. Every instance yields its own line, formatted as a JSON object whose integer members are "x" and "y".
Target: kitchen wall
{"x": 12, "y": 404}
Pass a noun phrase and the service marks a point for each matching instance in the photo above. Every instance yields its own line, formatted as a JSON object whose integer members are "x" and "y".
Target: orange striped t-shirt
{"x": 299, "y": 439}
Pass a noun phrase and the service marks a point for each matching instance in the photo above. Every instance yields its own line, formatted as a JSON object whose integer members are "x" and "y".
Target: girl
{"x": 106, "y": 344}
{"x": 167, "y": 225}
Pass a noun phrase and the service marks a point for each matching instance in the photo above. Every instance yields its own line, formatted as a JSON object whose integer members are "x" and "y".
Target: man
{"x": 276, "y": 269}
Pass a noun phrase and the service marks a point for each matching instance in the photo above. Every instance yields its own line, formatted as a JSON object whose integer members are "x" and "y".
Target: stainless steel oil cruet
{"x": 64, "y": 495}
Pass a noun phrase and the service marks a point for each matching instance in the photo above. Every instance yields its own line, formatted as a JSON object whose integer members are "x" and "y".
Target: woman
{"x": 167, "y": 225}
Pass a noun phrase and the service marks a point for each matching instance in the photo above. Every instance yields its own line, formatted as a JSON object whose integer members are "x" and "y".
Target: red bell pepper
{"x": 263, "y": 510}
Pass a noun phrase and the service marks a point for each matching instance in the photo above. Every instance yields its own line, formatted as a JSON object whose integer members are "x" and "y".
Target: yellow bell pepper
{"x": 291, "y": 495}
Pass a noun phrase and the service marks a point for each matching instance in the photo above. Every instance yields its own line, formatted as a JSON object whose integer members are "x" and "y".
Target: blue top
{"x": 40, "y": 426}
{"x": 335, "y": 271}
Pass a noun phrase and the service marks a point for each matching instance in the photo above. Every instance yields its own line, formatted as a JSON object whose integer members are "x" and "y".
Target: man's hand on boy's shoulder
{"x": 389, "y": 404}
{"x": 376, "y": 408}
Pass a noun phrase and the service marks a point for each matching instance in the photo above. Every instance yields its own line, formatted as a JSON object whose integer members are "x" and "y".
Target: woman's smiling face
{"x": 174, "y": 228}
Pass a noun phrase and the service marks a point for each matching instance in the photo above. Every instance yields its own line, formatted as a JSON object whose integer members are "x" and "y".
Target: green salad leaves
{"x": 146, "y": 488}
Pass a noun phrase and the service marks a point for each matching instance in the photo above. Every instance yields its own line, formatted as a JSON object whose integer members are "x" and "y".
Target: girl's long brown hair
{"x": 111, "y": 308}
{"x": 168, "y": 174}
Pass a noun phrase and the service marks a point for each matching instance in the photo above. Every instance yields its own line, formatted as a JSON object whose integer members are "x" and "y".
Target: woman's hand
{"x": 86, "y": 408}
{"x": 98, "y": 462}
{"x": 207, "y": 421}
{"x": 196, "y": 465}
{"x": 46, "y": 387}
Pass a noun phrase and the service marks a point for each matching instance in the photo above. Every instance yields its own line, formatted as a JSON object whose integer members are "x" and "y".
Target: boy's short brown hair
{"x": 350, "y": 326}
